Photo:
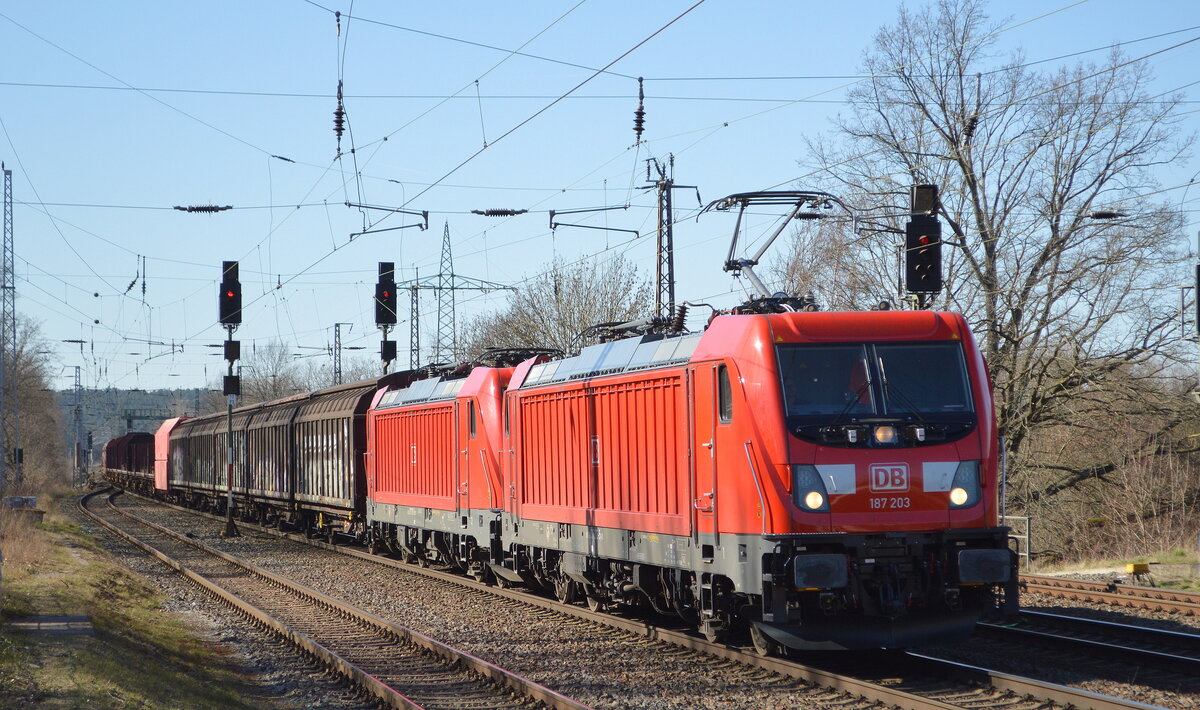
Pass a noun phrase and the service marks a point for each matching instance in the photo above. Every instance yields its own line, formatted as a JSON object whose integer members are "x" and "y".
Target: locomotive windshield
{"x": 839, "y": 383}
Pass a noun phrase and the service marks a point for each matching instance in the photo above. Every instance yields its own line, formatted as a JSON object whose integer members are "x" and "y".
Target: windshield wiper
{"x": 900, "y": 396}
{"x": 853, "y": 399}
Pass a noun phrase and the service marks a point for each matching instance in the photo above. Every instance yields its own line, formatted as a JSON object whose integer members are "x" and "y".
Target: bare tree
{"x": 268, "y": 372}
{"x": 41, "y": 428}
{"x": 552, "y": 309}
{"x": 318, "y": 374}
{"x": 1065, "y": 304}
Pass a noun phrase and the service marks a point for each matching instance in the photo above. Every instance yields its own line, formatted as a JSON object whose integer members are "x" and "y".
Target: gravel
{"x": 596, "y": 666}
{"x": 585, "y": 661}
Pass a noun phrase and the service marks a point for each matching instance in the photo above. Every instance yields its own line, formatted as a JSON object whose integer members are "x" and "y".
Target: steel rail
{"x": 889, "y": 696}
{"x": 1065, "y": 631}
{"x": 1061, "y": 694}
{"x": 1111, "y": 593}
{"x": 375, "y": 687}
{"x": 1181, "y": 640}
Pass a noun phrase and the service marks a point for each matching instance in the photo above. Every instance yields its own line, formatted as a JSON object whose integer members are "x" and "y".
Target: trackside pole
{"x": 230, "y": 528}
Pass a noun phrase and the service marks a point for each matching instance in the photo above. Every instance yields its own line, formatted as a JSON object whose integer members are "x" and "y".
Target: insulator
{"x": 969, "y": 129}
{"x": 639, "y": 116}
{"x": 339, "y": 121}
{"x": 339, "y": 118}
{"x": 677, "y": 321}
{"x": 499, "y": 212}
{"x": 203, "y": 208}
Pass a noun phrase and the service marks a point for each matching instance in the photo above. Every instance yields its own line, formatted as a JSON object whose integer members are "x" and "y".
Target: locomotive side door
{"x": 464, "y": 413}
{"x": 703, "y": 406}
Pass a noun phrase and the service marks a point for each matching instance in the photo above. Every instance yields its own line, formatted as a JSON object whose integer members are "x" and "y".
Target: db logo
{"x": 889, "y": 476}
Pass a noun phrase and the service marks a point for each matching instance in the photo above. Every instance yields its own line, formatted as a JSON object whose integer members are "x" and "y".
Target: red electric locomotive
{"x": 433, "y": 464}
{"x": 822, "y": 480}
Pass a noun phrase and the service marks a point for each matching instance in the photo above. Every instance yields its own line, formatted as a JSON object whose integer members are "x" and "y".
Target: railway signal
{"x": 923, "y": 243}
{"x": 230, "y": 299}
{"x": 385, "y": 295}
{"x": 385, "y": 311}
{"x": 923, "y": 254}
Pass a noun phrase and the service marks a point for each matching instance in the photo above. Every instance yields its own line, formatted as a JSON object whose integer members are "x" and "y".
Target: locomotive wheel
{"x": 374, "y": 547}
{"x": 331, "y": 535}
{"x": 764, "y": 645}
{"x": 594, "y": 601}
{"x": 564, "y": 590}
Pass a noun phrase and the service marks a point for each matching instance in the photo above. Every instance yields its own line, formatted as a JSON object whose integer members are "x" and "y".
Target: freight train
{"x": 803, "y": 480}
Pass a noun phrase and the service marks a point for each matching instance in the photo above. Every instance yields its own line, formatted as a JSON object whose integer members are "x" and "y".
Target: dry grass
{"x": 139, "y": 657}
{"x": 23, "y": 545}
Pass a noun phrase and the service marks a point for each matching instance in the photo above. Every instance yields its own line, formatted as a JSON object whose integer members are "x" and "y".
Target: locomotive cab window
{"x": 839, "y": 394}
{"x": 471, "y": 417}
{"x": 724, "y": 395}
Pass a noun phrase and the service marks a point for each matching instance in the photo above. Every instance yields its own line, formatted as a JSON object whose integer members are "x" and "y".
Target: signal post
{"x": 229, "y": 307}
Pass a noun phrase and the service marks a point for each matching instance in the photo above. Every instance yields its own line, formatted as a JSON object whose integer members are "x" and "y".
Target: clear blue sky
{"x": 223, "y": 87}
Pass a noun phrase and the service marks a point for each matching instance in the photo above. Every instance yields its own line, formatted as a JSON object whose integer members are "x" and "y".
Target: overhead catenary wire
{"x": 337, "y": 248}
{"x": 713, "y": 129}
{"x": 550, "y": 105}
{"x": 143, "y": 93}
{"x": 512, "y": 52}
{"x": 378, "y": 144}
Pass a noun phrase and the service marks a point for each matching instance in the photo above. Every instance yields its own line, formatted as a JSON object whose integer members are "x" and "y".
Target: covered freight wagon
{"x": 297, "y": 460}
{"x": 128, "y": 461}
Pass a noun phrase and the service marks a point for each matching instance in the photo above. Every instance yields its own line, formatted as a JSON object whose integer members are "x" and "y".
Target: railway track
{"x": 906, "y": 680}
{"x": 1150, "y": 648}
{"x": 399, "y": 667}
{"x": 1122, "y": 595}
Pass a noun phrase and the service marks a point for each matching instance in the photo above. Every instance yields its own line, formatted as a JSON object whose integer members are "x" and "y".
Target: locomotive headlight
{"x": 964, "y": 490}
{"x": 958, "y": 496}
{"x": 886, "y": 435}
{"x": 809, "y": 490}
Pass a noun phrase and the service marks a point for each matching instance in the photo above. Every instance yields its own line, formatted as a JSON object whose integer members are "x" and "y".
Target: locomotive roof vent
{"x": 422, "y": 391}
{"x": 617, "y": 356}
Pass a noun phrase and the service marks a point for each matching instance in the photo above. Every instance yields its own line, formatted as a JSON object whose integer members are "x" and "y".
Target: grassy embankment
{"x": 139, "y": 657}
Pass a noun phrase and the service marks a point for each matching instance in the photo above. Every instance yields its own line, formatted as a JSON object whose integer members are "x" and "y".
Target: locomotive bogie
{"x": 436, "y": 535}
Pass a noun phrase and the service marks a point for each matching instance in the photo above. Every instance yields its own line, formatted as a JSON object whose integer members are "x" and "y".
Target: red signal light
{"x": 924, "y": 240}
{"x": 385, "y": 302}
{"x": 229, "y": 294}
